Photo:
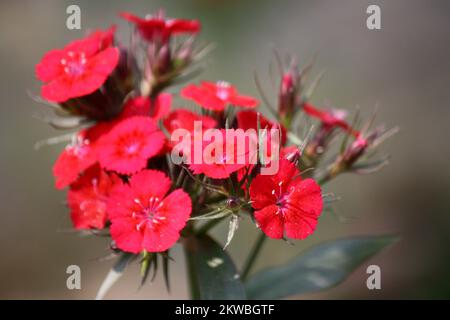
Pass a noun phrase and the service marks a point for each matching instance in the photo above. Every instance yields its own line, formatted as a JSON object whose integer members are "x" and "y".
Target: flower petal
{"x": 270, "y": 221}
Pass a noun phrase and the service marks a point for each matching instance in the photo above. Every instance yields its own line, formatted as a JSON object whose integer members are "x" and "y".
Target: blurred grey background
{"x": 404, "y": 67}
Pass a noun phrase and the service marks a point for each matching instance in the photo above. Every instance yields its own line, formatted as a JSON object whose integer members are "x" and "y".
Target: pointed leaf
{"x": 321, "y": 267}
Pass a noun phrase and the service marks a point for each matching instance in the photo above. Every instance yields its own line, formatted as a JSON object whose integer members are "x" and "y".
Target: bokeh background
{"x": 404, "y": 68}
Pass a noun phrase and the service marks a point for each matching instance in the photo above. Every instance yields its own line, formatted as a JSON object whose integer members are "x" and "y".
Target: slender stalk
{"x": 253, "y": 255}
{"x": 194, "y": 289}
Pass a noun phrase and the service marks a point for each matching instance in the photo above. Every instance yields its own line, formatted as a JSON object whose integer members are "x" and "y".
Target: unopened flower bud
{"x": 163, "y": 62}
{"x": 355, "y": 151}
{"x": 184, "y": 54}
{"x": 288, "y": 92}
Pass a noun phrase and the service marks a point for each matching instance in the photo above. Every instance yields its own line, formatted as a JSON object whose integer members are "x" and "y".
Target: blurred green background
{"x": 404, "y": 67}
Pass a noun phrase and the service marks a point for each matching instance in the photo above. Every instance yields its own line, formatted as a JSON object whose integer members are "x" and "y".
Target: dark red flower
{"x": 286, "y": 204}
{"x": 78, "y": 69}
{"x": 129, "y": 144}
{"x": 217, "y": 96}
{"x": 142, "y": 106}
{"x": 87, "y": 198}
{"x": 143, "y": 217}
{"x": 159, "y": 28}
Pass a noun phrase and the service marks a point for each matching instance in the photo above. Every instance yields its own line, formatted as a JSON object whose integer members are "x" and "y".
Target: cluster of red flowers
{"x": 117, "y": 166}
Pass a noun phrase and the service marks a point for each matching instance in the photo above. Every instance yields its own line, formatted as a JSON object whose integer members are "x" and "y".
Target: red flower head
{"x": 129, "y": 144}
{"x": 78, "y": 69}
{"x": 87, "y": 198}
{"x": 157, "y": 28}
{"x": 142, "y": 106}
{"x": 143, "y": 217}
{"x": 216, "y": 96}
{"x": 217, "y": 160}
{"x": 286, "y": 204}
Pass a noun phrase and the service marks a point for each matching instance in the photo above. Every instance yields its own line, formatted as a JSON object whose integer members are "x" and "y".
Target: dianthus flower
{"x": 87, "y": 198}
{"x": 285, "y": 204}
{"x": 159, "y": 28}
{"x": 143, "y": 216}
{"x": 78, "y": 69}
{"x": 129, "y": 144}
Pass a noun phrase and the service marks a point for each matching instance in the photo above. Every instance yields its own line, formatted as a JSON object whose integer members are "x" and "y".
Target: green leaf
{"x": 321, "y": 267}
{"x": 212, "y": 273}
{"x": 114, "y": 274}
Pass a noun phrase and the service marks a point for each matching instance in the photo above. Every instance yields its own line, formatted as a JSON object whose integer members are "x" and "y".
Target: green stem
{"x": 194, "y": 289}
{"x": 253, "y": 255}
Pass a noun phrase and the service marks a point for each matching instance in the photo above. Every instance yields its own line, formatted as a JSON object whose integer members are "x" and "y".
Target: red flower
{"x": 159, "y": 28}
{"x": 143, "y": 217}
{"x": 217, "y": 162}
{"x": 330, "y": 119}
{"x": 79, "y": 155}
{"x": 87, "y": 198}
{"x": 129, "y": 144}
{"x": 78, "y": 69}
{"x": 286, "y": 204}
{"x": 75, "y": 158}
{"x": 249, "y": 120}
{"x": 142, "y": 106}
{"x": 216, "y": 96}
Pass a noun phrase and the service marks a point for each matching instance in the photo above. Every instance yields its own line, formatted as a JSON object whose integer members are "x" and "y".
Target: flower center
{"x": 132, "y": 148}
{"x": 79, "y": 146}
{"x": 282, "y": 197}
{"x": 74, "y": 64}
{"x": 282, "y": 201}
{"x": 222, "y": 91}
{"x": 149, "y": 214}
